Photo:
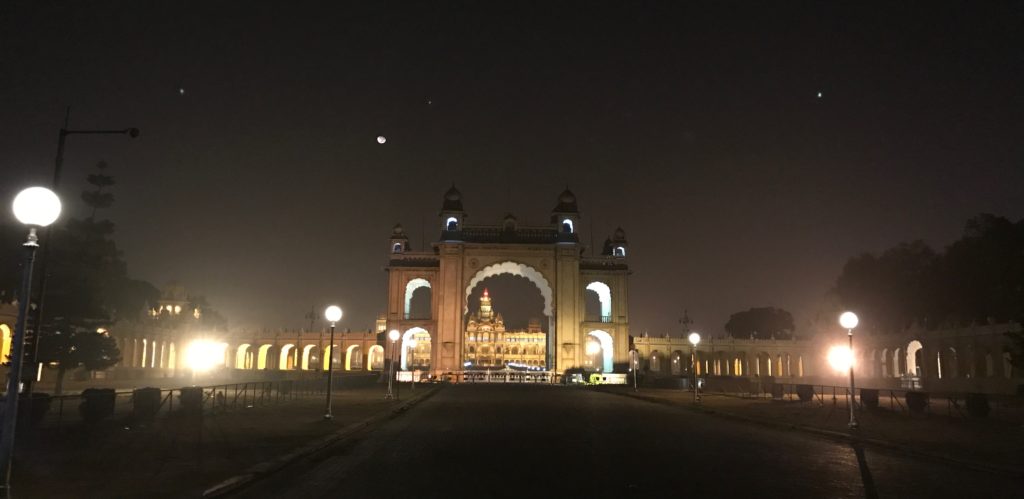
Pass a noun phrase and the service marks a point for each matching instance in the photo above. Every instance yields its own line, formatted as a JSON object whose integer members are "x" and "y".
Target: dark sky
{"x": 696, "y": 127}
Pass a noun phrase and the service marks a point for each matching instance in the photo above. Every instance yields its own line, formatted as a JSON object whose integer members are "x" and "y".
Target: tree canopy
{"x": 978, "y": 278}
{"x": 761, "y": 323}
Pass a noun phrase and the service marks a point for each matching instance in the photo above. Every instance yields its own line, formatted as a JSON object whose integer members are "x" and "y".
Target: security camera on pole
{"x": 36, "y": 207}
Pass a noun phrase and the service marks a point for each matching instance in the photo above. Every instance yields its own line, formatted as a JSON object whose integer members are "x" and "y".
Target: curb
{"x": 832, "y": 435}
{"x": 266, "y": 468}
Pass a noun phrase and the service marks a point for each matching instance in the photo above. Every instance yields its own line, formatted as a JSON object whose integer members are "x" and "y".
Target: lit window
{"x": 567, "y": 226}
{"x": 620, "y": 251}
{"x": 451, "y": 224}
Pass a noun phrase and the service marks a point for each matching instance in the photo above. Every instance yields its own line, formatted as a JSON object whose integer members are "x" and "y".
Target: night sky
{"x": 258, "y": 180}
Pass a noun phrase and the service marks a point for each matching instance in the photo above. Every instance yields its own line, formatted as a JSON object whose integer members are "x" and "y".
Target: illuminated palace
{"x": 488, "y": 344}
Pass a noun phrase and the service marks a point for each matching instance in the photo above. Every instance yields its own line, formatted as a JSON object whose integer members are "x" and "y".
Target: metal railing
{"x": 67, "y": 409}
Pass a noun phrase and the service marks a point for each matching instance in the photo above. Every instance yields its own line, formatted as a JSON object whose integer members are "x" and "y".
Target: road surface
{"x": 521, "y": 441}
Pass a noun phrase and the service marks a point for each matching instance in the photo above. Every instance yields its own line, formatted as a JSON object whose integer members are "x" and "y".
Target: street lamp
{"x": 694, "y": 340}
{"x": 393, "y": 335}
{"x": 412, "y": 346}
{"x": 57, "y": 167}
{"x": 35, "y": 207}
{"x": 849, "y": 321}
{"x": 634, "y": 365}
{"x": 333, "y": 315}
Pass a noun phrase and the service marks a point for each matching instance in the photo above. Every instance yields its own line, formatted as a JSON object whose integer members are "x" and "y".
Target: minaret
{"x": 485, "y": 306}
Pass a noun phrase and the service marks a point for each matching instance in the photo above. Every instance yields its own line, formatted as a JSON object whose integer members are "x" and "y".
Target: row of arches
{"x": 164, "y": 354}
{"x": 724, "y": 363}
{"x": 944, "y": 362}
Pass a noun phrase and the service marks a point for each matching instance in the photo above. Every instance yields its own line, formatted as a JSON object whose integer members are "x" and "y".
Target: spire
{"x": 486, "y": 312}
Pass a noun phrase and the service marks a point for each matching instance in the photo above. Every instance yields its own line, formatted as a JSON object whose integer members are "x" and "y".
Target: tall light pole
{"x": 333, "y": 315}
{"x": 694, "y": 340}
{"x": 393, "y": 335}
{"x": 634, "y": 365}
{"x": 57, "y": 167}
{"x": 412, "y": 346}
{"x": 35, "y": 207}
{"x": 849, "y": 321}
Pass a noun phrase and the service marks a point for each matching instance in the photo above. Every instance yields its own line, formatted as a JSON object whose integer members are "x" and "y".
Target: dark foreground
{"x": 541, "y": 441}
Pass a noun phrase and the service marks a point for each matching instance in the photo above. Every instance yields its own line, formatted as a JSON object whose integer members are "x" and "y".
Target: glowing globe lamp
{"x": 36, "y": 206}
{"x": 694, "y": 338}
{"x": 848, "y": 320}
{"x": 333, "y": 313}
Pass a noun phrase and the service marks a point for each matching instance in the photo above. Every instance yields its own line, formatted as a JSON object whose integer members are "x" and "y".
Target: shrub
{"x": 917, "y": 401}
{"x": 869, "y": 398}
{"x": 97, "y": 404}
{"x": 778, "y": 391}
{"x": 145, "y": 403}
{"x": 977, "y": 405}
{"x": 805, "y": 392}
{"x": 191, "y": 399}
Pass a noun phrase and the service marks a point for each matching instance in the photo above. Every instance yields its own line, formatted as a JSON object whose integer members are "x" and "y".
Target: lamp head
{"x": 133, "y": 132}
{"x": 694, "y": 338}
{"x": 393, "y": 335}
{"x": 333, "y": 313}
{"x": 36, "y": 206}
{"x": 848, "y": 320}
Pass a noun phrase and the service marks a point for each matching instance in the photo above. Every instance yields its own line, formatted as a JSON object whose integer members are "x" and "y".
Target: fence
{"x": 67, "y": 409}
{"x": 1008, "y": 408}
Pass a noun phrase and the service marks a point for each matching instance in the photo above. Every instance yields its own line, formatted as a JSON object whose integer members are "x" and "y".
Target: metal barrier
{"x": 215, "y": 399}
{"x": 948, "y": 404}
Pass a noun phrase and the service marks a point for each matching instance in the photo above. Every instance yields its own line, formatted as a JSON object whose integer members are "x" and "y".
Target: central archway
{"x": 514, "y": 268}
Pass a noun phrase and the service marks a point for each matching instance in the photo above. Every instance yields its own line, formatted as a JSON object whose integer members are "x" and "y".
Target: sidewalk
{"x": 982, "y": 443}
{"x": 173, "y": 458}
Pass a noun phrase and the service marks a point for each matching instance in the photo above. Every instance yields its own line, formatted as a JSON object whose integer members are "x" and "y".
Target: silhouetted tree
{"x": 70, "y": 349}
{"x": 761, "y": 323}
{"x": 979, "y": 278}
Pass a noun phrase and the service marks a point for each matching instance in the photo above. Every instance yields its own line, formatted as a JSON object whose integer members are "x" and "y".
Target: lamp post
{"x": 333, "y": 315}
{"x": 57, "y": 167}
{"x": 393, "y": 335}
{"x": 849, "y": 321}
{"x": 694, "y": 340}
{"x": 412, "y": 346}
{"x": 35, "y": 207}
{"x": 634, "y": 365}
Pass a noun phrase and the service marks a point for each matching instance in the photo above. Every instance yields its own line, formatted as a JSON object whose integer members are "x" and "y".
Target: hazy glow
{"x": 36, "y": 206}
{"x": 203, "y": 355}
{"x": 840, "y": 358}
{"x": 848, "y": 320}
{"x": 694, "y": 338}
{"x": 333, "y": 313}
{"x": 381, "y": 139}
{"x": 593, "y": 347}
{"x": 393, "y": 335}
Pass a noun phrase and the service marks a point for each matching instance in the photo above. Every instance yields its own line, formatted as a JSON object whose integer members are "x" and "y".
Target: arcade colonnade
{"x": 726, "y": 357}
{"x": 165, "y": 351}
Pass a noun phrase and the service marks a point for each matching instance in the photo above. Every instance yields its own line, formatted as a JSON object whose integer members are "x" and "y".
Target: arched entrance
{"x": 550, "y": 256}
{"x": 416, "y": 354}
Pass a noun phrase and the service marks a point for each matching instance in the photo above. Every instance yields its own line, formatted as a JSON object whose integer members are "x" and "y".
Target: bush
{"x": 805, "y": 392}
{"x": 145, "y": 403}
{"x": 917, "y": 401}
{"x": 778, "y": 391}
{"x": 97, "y": 404}
{"x": 977, "y": 405}
{"x": 869, "y": 398}
{"x": 39, "y": 407}
{"x": 191, "y": 399}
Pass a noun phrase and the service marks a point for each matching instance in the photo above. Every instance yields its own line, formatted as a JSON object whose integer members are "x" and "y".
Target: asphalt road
{"x": 548, "y": 441}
